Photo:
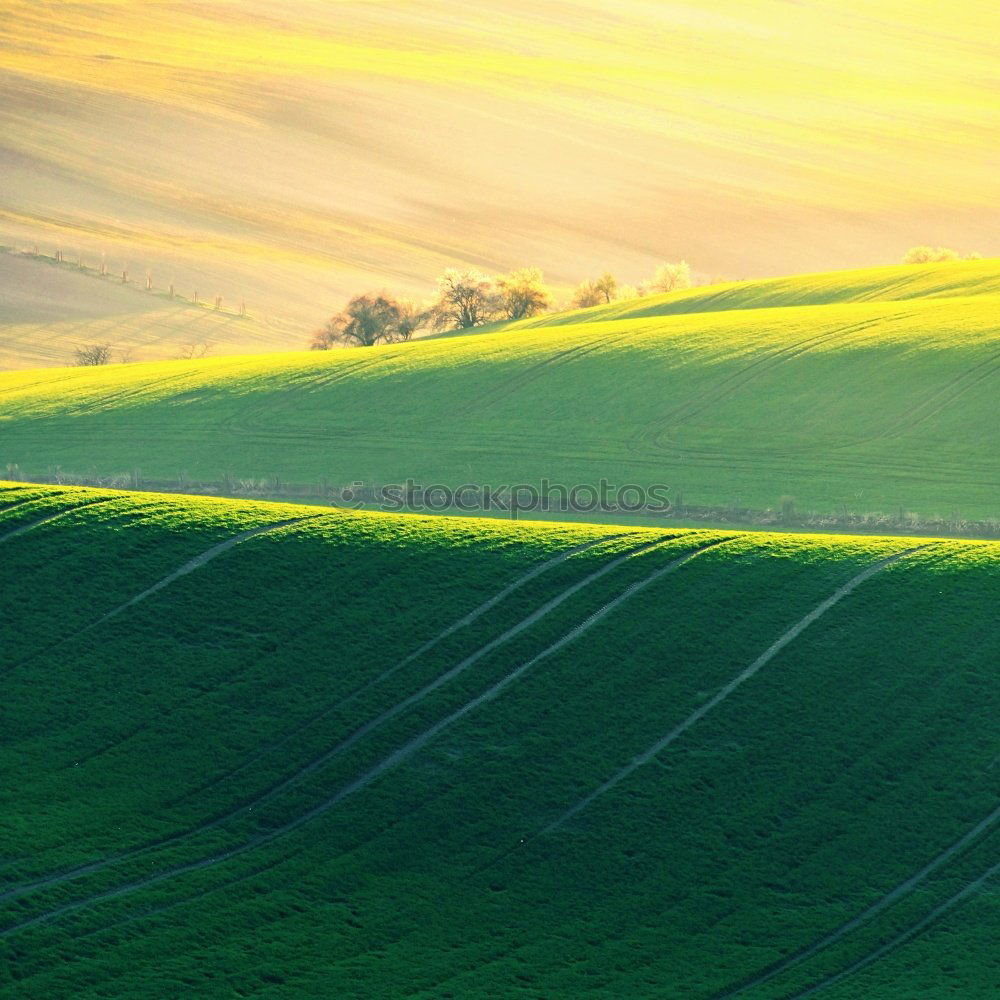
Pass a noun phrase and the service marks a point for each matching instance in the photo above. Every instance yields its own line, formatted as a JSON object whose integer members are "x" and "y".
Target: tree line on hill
{"x": 469, "y": 298}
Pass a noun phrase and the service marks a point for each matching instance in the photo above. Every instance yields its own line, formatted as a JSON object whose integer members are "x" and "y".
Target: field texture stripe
{"x": 51, "y": 517}
{"x": 873, "y": 956}
{"x": 903, "y": 889}
{"x": 200, "y": 560}
{"x": 20, "y": 503}
{"x": 317, "y": 762}
{"x": 467, "y": 620}
{"x": 449, "y": 675}
{"x": 741, "y": 678}
{"x": 395, "y": 758}
{"x": 192, "y": 564}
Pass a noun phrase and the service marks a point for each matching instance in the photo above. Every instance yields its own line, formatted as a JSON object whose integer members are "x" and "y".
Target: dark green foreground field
{"x": 360, "y": 755}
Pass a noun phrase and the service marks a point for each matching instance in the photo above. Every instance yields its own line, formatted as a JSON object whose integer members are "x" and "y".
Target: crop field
{"x": 49, "y": 309}
{"x": 866, "y": 390}
{"x": 271, "y": 750}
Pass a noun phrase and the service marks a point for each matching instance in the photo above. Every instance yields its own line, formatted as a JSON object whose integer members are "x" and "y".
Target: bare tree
{"x": 368, "y": 320}
{"x": 669, "y": 277}
{"x": 191, "y": 352}
{"x": 411, "y": 319}
{"x": 596, "y": 292}
{"x": 586, "y": 295}
{"x": 465, "y": 299}
{"x": 926, "y": 255}
{"x": 93, "y": 354}
{"x": 522, "y": 293}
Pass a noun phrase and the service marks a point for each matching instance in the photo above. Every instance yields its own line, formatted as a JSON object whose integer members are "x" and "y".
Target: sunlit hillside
{"x": 880, "y": 397}
{"x": 294, "y": 152}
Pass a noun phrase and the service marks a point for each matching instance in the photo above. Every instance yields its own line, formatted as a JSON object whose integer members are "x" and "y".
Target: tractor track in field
{"x": 387, "y": 674}
{"x": 933, "y": 404}
{"x": 652, "y": 434}
{"x": 884, "y": 902}
{"x": 526, "y": 376}
{"x": 24, "y": 528}
{"x": 189, "y": 567}
{"x": 970, "y": 889}
{"x": 46, "y": 382}
{"x": 139, "y": 390}
{"x": 316, "y": 762}
{"x": 361, "y": 782}
{"x": 250, "y": 422}
{"x": 20, "y": 503}
{"x": 940, "y": 400}
{"x": 652, "y": 751}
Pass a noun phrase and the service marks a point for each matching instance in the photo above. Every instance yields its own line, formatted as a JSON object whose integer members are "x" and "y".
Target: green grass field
{"x": 871, "y": 390}
{"x": 272, "y": 750}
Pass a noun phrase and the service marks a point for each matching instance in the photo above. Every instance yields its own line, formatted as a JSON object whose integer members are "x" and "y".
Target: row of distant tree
{"x": 470, "y": 298}
{"x": 928, "y": 255}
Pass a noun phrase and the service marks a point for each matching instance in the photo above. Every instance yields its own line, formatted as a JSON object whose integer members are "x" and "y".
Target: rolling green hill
{"x": 270, "y": 750}
{"x": 879, "y": 397}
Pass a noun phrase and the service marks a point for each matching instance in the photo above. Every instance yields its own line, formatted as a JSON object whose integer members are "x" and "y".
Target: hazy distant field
{"x": 48, "y": 311}
{"x": 294, "y": 153}
{"x": 362, "y": 755}
{"x": 879, "y": 396}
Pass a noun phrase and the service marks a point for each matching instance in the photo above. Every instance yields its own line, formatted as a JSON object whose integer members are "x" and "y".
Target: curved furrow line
{"x": 271, "y": 405}
{"x": 313, "y": 765}
{"x": 937, "y": 402}
{"x": 893, "y": 896}
{"x": 390, "y": 672}
{"x": 189, "y": 567}
{"x": 653, "y": 433}
{"x": 530, "y": 374}
{"x": 738, "y": 681}
{"x": 387, "y": 763}
{"x": 904, "y": 936}
{"x": 52, "y": 517}
{"x": 20, "y": 503}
